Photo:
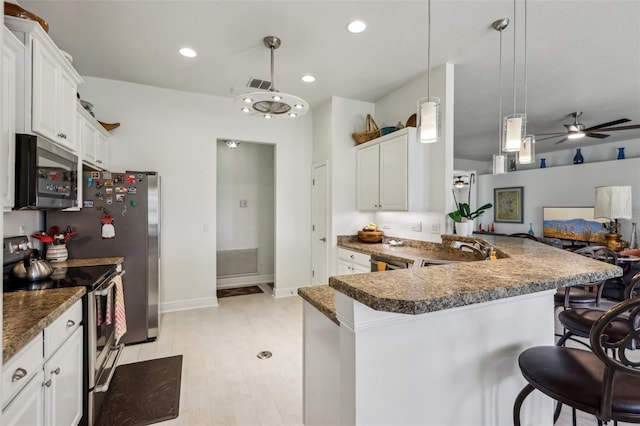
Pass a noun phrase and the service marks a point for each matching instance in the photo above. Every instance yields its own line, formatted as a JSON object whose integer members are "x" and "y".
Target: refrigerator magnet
{"x": 87, "y": 203}
{"x": 130, "y": 178}
{"x": 118, "y": 177}
{"x": 119, "y": 198}
{"x": 133, "y": 190}
{"x": 109, "y": 191}
{"x": 109, "y": 200}
{"x": 108, "y": 182}
{"x": 95, "y": 175}
{"x": 106, "y": 175}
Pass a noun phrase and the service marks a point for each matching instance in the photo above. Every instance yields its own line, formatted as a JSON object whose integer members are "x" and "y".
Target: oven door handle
{"x": 105, "y": 291}
{"x": 103, "y": 387}
{"x": 389, "y": 265}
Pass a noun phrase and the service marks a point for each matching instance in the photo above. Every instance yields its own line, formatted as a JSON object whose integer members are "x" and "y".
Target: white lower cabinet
{"x": 42, "y": 384}
{"x": 63, "y": 383}
{"x": 353, "y": 262}
{"x": 27, "y": 408}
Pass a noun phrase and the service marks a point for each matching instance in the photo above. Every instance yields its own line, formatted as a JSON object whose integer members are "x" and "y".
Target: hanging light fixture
{"x": 428, "y": 117}
{"x": 514, "y": 124}
{"x": 232, "y": 144}
{"x": 271, "y": 103}
{"x": 527, "y": 152}
{"x": 458, "y": 182}
{"x": 499, "y": 159}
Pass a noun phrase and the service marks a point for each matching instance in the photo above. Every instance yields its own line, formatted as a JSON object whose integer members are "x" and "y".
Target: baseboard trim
{"x": 185, "y": 305}
{"x": 243, "y": 281}
{"x": 285, "y": 292}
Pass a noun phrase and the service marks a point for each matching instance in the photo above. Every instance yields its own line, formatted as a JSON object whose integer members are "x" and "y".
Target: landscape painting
{"x": 572, "y": 223}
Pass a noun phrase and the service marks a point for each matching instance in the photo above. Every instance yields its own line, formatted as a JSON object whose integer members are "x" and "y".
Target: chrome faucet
{"x": 480, "y": 248}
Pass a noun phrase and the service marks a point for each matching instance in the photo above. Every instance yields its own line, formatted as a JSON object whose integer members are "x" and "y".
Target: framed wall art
{"x": 508, "y": 204}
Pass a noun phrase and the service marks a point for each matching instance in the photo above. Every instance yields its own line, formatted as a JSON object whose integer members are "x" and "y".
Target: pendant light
{"x": 514, "y": 124}
{"x": 499, "y": 159}
{"x": 271, "y": 103}
{"x": 428, "y": 117}
{"x": 527, "y": 152}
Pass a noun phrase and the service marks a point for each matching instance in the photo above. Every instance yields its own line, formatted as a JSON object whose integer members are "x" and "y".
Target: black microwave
{"x": 46, "y": 175}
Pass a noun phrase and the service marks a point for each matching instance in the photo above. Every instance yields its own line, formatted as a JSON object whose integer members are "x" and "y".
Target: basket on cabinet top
{"x": 371, "y": 131}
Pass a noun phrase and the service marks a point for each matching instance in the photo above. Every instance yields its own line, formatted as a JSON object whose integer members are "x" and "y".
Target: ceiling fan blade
{"x": 562, "y": 140}
{"x": 611, "y": 123}
{"x": 596, "y": 135}
{"x": 550, "y": 134}
{"x": 549, "y": 137}
{"x": 612, "y": 129}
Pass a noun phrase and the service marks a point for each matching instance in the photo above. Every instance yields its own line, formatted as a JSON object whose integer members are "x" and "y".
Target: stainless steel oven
{"x": 103, "y": 350}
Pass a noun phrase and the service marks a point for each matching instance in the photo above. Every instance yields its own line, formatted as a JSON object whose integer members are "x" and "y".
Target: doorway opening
{"x": 245, "y": 215}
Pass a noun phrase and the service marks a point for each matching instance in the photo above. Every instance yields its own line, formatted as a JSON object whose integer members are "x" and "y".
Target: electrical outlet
{"x": 417, "y": 227}
{"x": 386, "y": 227}
{"x": 435, "y": 228}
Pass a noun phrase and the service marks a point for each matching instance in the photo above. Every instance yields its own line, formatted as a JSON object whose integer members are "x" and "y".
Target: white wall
{"x": 562, "y": 186}
{"x": 16, "y": 221}
{"x": 175, "y": 133}
{"x": 246, "y": 173}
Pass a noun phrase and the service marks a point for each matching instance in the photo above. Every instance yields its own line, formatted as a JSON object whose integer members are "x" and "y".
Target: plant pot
{"x": 471, "y": 226}
{"x": 462, "y": 228}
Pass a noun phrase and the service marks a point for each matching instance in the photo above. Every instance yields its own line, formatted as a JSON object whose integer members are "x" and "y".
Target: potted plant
{"x": 463, "y": 213}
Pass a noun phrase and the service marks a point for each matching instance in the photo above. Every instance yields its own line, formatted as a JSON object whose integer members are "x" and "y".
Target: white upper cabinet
{"x": 12, "y": 57}
{"x": 49, "y": 89}
{"x": 389, "y": 171}
{"x": 94, "y": 139}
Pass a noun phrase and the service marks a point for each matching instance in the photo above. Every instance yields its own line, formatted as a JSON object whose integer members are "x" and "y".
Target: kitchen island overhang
{"x": 439, "y": 345}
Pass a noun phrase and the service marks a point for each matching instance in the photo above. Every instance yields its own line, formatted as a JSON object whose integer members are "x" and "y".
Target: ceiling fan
{"x": 577, "y": 130}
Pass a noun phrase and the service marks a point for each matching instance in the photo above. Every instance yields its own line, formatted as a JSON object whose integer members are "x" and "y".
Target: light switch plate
{"x": 435, "y": 228}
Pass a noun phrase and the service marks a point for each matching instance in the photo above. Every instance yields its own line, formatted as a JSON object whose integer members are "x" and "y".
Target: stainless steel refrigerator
{"x": 120, "y": 216}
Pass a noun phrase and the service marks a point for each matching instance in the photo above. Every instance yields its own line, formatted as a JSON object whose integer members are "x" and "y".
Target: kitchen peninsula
{"x": 436, "y": 345}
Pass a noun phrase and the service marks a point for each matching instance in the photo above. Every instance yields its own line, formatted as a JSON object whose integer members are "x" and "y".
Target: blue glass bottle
{"x": 621, "y": 153}
{"x": 530, "y": 229}
{"x": 578, "y": 158}
{"x": 543, "y": 163}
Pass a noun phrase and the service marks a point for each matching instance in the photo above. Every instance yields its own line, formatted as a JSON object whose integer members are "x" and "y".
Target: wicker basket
{"x": 370, "y": 236}
{"x": 371, "y": 131}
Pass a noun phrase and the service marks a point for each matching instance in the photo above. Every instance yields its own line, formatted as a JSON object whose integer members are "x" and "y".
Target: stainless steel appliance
{"x": 46, "y": 174}
{"x": 130, "y": 201}
{"x": 100, "y": 354}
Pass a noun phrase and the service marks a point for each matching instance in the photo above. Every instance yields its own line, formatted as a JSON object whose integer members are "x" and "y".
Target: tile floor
{"x": 223, "y": 381}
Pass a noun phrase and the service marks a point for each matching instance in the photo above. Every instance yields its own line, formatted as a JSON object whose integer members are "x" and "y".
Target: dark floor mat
{"x": 238, "y": 291}
{"x": 143, "y": 393}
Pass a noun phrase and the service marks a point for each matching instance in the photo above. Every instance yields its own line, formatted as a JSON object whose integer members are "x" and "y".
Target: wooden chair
{"x": 580, "y": 296}
{"x": 590, "y": 381}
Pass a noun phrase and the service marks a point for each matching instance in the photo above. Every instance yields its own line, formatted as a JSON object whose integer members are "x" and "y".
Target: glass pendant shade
{"x": 499, "y": 164}
{"x": 527, "y": 152}
{"x": 428, "y": 122}
{"x": 514, "y": 132}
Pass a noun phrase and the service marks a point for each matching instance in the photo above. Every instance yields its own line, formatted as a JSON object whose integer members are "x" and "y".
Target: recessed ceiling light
{"x": 298, "y": 106}
{"x": 356, "y": 27}
{"x": 245, "y": 109}
{"x": 267, "y": 116}
{"x": 276, "y": 98}
{"x": 293, "y": 115}
{"x": 188, "y": 52}
{"x": 308, "y": 78}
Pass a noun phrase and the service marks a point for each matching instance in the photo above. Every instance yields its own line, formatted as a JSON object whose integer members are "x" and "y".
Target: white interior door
{"x": 319, "y": 216}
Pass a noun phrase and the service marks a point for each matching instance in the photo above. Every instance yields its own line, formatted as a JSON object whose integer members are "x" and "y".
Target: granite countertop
{"x": 94, "y": 261}
{"x": 25, "y": 314}
{"x": 523, "y": 267}
{"x": 323, "y": 298}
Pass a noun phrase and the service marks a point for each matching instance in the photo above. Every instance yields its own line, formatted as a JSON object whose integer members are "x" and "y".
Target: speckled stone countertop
{"x": 411, "y": 251}
{"x": 525, "y": 267}
{"x": 323, "y": 298}
{"x": 27, "y": 313}
{"x": 72, "y": 263}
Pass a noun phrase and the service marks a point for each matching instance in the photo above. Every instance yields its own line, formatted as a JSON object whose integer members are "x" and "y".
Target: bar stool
{"x": 590, "y": 381}
{"x": 579, "y": 296}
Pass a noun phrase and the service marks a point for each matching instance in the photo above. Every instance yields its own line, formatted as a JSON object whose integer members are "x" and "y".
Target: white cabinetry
{"x": 353, "y": 262}
{"x": 94, "y": 140}
{"x": 42, "y": 384}
{"x": 50, "y": 87}
{"x": 12, "y": 59}
{"x": 389, "y": 171}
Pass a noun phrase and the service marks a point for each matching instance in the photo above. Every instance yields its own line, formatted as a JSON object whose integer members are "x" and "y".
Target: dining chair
{"x": 580, "y": 296}
{"x": 591, "y": 381}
